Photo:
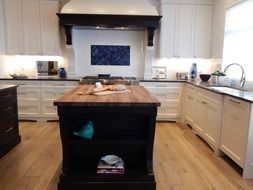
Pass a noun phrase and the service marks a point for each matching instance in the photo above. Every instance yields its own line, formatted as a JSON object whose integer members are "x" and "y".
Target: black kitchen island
{"x": 124, "y": 125}
{"x": 9, "y": 131}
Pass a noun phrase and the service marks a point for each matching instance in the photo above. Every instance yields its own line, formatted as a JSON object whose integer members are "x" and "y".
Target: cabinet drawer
{"x": 8, "y": 129}
{"x": 48, "y": 109}
{"x": 8, "y": 110}
{"x": 28, "y": 93}
{"x": 59, "y": 84}
{"x": 170, "y": 109}
{"x": 8, "y": 95}
{"x": 29, "y": 108}
{"x": 51, "y": 94}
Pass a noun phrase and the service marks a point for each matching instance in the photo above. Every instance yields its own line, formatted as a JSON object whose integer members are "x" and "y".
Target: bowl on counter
{"x": 204, "y": 77}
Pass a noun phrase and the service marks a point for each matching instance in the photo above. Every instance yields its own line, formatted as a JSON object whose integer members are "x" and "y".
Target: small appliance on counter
{"x": 182, "y": 75}
{"x": 47, "y": 68}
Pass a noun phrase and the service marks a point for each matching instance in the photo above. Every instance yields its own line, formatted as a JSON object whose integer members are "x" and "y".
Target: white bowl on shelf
{"x": 111, "y": 159}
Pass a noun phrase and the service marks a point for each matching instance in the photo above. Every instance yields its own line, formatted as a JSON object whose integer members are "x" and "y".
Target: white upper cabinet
{"x": 202, "y": 34}
{"x": 185, "y": 30}
{"x": 49, "y": 27}
{"x": 2, "y": 33}
{"x": 31, "y": 27}
{"x": 13, "y": 26}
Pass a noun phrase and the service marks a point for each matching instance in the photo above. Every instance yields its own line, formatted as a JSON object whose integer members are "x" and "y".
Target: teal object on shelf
{"x": 86, "y": 131}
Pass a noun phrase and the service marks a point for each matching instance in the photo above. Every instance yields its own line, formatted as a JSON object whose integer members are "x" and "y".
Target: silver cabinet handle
{"x": 7, "y": 108}
{"x": 8, "y": 130}
{"x": 203, "y": 102}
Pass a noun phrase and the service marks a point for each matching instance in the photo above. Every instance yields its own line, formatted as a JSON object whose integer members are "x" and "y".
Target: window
{"x": 238, "y": 41}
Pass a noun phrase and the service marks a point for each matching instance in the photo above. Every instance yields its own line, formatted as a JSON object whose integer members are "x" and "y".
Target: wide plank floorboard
{"x": 182, "y": 161}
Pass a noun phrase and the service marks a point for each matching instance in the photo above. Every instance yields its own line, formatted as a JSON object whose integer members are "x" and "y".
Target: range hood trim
{"x": 141, "y": 22}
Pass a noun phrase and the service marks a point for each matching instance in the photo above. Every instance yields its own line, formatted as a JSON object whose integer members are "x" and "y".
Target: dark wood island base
{"x": 124, "y": 125}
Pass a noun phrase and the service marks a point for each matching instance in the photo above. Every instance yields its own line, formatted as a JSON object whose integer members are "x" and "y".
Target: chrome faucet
{"x": 243, "y": 76}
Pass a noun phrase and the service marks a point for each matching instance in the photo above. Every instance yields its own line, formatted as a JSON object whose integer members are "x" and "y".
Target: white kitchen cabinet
{"x": 50, "y": 91}
{"x": 28, "y": 94}
{"x": 170, "y": 96}
{"x": 234, "y": 135}
{"x": 49, "y": 27}
{"x": 185, "y": 30}
{"x": 2, "y": 32}
{"x": 31, "y": 27}
{"x": 189, "y": 104}
{"x": 13, "y": 26}
{"x": 35, "y": 97}
{"x": 208, "y": 117}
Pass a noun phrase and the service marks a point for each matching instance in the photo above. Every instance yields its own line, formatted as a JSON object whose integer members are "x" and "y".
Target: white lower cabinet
{"x": 170, "y": 96}
{"x": 50, "y": 91}
{"x": 236, "y": 117}
{"x": 208, "y": 117}
{"x": 35, "y": 98}
{"x": 189, "y": 104}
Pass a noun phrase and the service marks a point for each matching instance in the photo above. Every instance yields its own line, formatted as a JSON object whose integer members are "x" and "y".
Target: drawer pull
{"x": 6, "y": 95}
{"x": 190, "y": 97}
{"x": 8, "y": 130}
{"x": 203, "y": 102}
{"x": 7, "y": 108}
{"x": 233, "y": 101}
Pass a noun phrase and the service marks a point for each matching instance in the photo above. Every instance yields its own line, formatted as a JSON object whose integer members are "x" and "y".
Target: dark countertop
{"x": 42, "y": 78}
{"x": 242, "y": 94}
{"x": 4, "y": 87}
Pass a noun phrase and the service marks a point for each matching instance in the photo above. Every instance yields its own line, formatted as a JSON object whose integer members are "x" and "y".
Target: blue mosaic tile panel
{"x": 110, "y": 55}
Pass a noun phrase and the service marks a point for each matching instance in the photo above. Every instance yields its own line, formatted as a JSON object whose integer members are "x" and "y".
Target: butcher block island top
{"x": 134, "y": 96}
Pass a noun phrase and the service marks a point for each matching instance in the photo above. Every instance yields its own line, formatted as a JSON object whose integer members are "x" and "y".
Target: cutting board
{"x": 108, "y": 92}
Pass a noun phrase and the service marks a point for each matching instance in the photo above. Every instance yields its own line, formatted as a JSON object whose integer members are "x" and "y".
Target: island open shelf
{"x": 124, "y": 125}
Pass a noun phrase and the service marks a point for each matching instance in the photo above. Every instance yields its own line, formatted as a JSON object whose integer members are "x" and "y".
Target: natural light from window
{"x": 238, "y": 41}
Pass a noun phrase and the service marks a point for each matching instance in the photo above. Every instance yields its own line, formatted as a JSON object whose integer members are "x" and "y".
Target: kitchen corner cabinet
{"x": 9, "y": 131}
{"x": 185, "y": 30}
{"x": 208, "y": 117}
{"x": 170, "y": 96}
{"x": 31, "y": 27}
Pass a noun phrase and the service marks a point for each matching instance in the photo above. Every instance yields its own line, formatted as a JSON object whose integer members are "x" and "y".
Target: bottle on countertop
{"x": 193, "y": 71}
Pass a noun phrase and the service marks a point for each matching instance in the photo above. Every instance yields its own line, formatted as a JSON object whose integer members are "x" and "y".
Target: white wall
{"x": 83, "y": 39}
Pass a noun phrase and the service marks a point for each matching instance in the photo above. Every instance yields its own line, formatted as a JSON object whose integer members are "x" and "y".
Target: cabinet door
{"x": 200, "y": 114}
{"x": 13, "y": 26}
{"x": 202, "y": 35}
{"x": 31, "y": 27}
{"x": 2, "y": 32}
{"x": 49, "y": 27}
{"x": 235, "y": 129}
{"x": 189, "y": 110}
{"x": 168, "y": 30}
{"x": 184, "y": 34}
{"x": 212, "y": 122}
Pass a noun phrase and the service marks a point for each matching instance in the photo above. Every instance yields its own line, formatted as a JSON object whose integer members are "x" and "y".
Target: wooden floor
{"x": 181, "y": 161}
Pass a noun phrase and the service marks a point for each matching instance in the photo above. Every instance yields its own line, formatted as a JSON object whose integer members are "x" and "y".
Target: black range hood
{"x": 131, "y": 22}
